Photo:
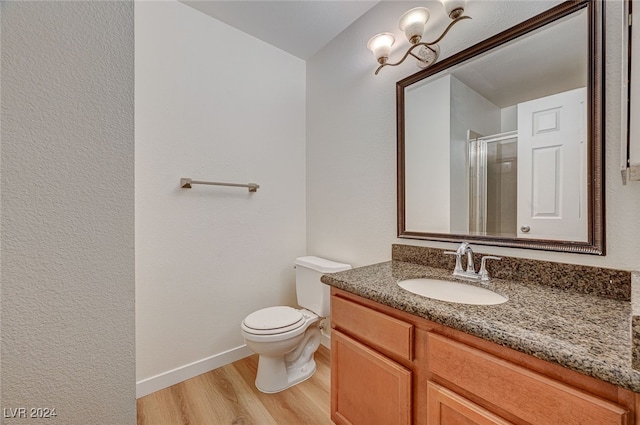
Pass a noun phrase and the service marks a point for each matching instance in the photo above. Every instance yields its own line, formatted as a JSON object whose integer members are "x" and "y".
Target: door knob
{"x": 525, "y": 229}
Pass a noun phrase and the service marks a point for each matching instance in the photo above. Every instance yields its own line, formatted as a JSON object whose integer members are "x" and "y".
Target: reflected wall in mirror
{"x": 502, "y": 143}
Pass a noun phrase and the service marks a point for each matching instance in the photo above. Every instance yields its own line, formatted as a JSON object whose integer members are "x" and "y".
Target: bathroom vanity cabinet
{"x": 371, "y": 366}
{"x": 391, "y": 367}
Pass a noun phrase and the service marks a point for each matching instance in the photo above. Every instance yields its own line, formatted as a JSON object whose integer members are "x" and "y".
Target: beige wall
{"x": 67, "y": 218}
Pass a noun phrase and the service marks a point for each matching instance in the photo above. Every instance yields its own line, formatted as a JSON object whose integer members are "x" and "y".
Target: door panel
{"x": 552, "y": 178}
{"x": 367, "y": 388}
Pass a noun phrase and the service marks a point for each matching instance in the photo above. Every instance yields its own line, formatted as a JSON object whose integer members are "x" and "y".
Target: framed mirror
{"x": 502, "y": 143}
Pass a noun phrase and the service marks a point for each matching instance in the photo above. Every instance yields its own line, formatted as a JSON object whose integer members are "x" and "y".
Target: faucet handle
{"x": 484, "y": 274}
{"x": 458, "y": 261}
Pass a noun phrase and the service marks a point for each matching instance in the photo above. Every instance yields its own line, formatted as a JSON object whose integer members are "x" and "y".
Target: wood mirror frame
{"x": 595, "y": 132}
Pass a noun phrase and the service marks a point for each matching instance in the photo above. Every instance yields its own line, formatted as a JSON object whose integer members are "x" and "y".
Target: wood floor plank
{"x": 158, "y": 408}
{"x": 228, "y": 395}
{"x": 284, "y": 405}
{"x": 318, "y": 390}
{"x": 236, "y": 398}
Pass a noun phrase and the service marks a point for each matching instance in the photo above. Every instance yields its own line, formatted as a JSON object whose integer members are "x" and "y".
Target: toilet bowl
{"x": 286, "y": 351}
{"x": 287, "y": 338}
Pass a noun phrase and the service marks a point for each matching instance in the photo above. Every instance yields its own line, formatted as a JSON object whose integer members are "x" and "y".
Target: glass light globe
{"x": 454, "y": 8}
{"x": 380, "y": 45}
{"x": 413, "y": 23}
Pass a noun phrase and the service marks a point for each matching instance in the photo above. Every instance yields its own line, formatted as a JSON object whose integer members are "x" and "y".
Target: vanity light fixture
{"x": 413, "y": 24}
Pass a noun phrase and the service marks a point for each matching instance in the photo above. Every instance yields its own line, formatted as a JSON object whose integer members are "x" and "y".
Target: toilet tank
{"x": 313, "y": 294}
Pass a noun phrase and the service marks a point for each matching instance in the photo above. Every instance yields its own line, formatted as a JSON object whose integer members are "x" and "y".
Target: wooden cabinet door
{"x": 448, "y": 408}
{"x": 366, "y": 387}
{"x": 523, "y": 393}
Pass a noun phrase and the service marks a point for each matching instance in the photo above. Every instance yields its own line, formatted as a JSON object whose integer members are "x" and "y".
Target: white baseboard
{"x": 182, "y": 373}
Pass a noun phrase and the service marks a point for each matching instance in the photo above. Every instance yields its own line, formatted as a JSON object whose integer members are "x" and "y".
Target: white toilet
{"x": 286, "y": 338}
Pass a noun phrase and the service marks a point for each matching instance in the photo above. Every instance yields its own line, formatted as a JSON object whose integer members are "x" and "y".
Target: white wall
{"x": 428, "y": 124}
{"x": 436, "y": 162}
{"x": 68, "y": 211}
{"x": 351, "y": 173}
{"x": 509, "y": 120}
{"x": 634, "y": 139}
{"x": 212, "y": 103}
{"x": 469, "y": 111}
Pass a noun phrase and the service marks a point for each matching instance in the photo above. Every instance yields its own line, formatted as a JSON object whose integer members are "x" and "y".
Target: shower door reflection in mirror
{"x": 493, "y": 191}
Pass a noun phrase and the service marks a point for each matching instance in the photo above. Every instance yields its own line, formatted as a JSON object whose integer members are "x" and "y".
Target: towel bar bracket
{"x": 185, "y": 183}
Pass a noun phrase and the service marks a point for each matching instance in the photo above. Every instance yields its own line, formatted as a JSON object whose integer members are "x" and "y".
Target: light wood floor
{"x": 228, "y": 396}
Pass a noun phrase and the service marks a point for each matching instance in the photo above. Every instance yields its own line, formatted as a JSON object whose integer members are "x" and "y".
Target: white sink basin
{"x": 454, "y": 292}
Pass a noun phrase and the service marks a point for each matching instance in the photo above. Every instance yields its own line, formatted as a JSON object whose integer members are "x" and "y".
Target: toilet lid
{"x": 273, "y": 320}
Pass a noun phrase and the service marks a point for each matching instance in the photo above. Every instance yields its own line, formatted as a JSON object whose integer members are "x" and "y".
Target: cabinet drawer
{"x": 382, "y": 332}
{"x": 447, "y": 407}
{"x": 527, "y": 395}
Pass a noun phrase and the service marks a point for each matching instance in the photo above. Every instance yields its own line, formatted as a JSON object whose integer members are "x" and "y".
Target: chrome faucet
{"x": 470, "y": 273}
{"x": 465, "y": 248}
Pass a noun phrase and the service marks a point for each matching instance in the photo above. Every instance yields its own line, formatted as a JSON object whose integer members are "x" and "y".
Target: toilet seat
{"x": 273, "y": 320}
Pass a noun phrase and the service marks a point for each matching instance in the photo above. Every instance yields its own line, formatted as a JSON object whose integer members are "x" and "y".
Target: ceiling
{"x": 299, "y": 27}
{"x": 302, "y": 27}
{"x": 550, "y": 60}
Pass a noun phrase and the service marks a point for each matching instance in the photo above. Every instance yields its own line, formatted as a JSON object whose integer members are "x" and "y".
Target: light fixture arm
{"x": 409, "y": 52}
{"x": 425, "y": 44}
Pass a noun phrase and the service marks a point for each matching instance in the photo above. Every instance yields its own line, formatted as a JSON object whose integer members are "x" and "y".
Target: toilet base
{"x": 277, "y": 373}
{"x": 273, "y": 376}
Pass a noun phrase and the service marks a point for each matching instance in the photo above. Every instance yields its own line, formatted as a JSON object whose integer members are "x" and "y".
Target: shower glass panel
{"x": 493, "y": 190}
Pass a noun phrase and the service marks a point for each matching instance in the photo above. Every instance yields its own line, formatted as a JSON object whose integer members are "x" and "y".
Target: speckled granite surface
{"x": 608, "y": 283}
{"x": 635, "y": 320}
{"x": 583, "y": 332}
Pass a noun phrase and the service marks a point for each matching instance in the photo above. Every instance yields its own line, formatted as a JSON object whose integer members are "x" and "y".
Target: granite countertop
{"x": 584, "y": 332}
